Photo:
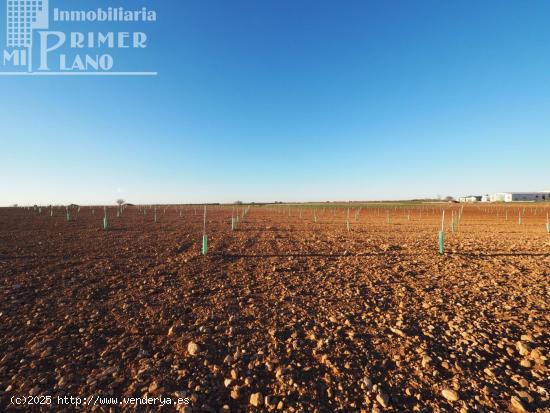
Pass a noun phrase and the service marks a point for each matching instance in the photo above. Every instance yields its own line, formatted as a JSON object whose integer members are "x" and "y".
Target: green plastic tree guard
{"x": 204, "y": 244}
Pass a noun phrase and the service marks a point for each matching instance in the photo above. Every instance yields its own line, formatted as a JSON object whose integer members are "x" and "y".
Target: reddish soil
{"x": 313, "y": 317}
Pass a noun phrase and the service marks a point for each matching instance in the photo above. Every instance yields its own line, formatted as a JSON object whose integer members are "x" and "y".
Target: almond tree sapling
{"x": 105, "y": 221}
{"x": 204, "y": 236}
{"x": 453, "y": 222}
{"x": 442, "y": 235}
{"x": 233, "y": 223}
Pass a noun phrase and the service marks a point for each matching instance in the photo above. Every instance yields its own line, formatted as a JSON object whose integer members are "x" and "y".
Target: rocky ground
{"x": 283, "y": 314}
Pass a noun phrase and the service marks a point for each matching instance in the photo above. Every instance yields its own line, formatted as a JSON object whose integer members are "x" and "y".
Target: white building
{"x": 498, "y": 197}
{"x": 520, "y": 197}
{"x": 469, "y": 198}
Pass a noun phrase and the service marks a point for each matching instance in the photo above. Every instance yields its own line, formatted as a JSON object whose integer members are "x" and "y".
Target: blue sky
{"x": 291, "y": 100}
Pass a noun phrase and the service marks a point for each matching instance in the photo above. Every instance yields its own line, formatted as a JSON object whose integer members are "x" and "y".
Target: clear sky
{"x": 292, "y": 100}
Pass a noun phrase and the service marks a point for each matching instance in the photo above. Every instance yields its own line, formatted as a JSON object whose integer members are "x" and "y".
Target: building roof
{"x": 525, "y": 193}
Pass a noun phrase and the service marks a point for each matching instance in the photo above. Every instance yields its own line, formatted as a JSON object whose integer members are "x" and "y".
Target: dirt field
{"x": 282, "y": 314}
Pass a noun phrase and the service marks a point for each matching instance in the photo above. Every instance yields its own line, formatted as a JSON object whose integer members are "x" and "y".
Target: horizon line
{"x": 418, "y": 200}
